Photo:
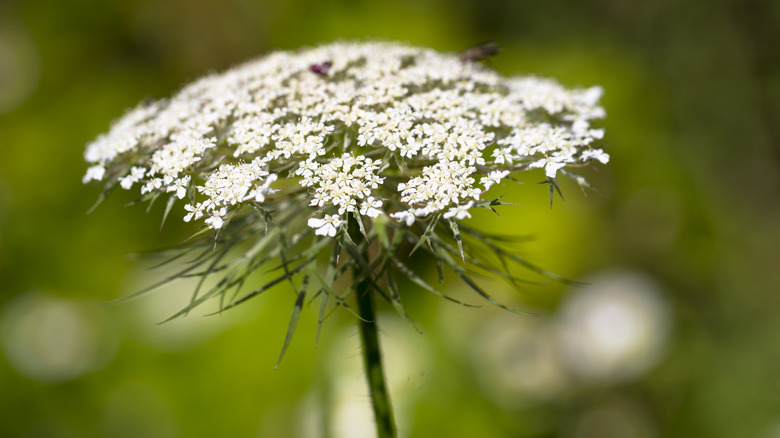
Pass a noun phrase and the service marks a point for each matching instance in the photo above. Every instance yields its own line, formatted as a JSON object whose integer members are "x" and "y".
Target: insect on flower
{"x": 480, "y": 52}
{"x": 321, "y": 69}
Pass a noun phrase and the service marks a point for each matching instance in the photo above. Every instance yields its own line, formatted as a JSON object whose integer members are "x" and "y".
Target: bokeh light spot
{"x": 136, "y": 409}
{"x": 19, "y": 66}
{"x": 518, "y": 360}
{"x": 55, "y": 339}
{"x": 615, "y": 328}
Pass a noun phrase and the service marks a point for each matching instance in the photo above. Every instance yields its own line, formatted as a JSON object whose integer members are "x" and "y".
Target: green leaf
{"x": 236, "y": 286}
{"x": 361, "y": 226}
{"x": 462, "y": 274}
{"x": 293, "y": 323}
{"x": 228, "y": 282}
{"x": 495, "y": 236}
{"x": 427, "y": 234}
{"x": 159, "y": 284}
{"x": 401, "y": 164}
{"x": 380, "y": 227}
{"x": 202, "y": 230}
{"x": 329, "y": 278}
{"x": 440, "y": 270}
{"x": 323, "y": 306}
{"x": 173, "y": 258}
{"x": 541, "y": 271}
{"x": 282, "y": 242}
{"x": 487, "y": 241}
{"x": 329, "y": 291}
{"x": 476, "y": 261}
{"x": 168, "y": 207}
{"x": 583, "y": 183}
{"x": 272, "y": 283}
{"x": 343, "y": 234}
{"x": 396, "y": 300}
{"x": 208, "y": 272}
{"x": 107, "y": 189}
{"x": 456, "y": 234}
{"x": 218, "y": 288}
{"x": 422, "y": 283}
{"x": 358, "y": 257}
{"x": 553, "y": 187}
{"x": 151, "y": 197}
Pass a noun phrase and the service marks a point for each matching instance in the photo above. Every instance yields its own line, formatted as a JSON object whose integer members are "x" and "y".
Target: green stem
{"x": 372, "y": 362}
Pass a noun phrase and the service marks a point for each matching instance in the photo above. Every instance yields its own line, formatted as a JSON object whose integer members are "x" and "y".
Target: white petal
{"x": 316, "y": 223}
{"x": 552, "y": 168}
{"x": 94, "y": 173}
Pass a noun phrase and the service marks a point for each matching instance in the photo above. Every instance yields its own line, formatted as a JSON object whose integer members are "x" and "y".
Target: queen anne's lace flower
{"x": 372, "y": 150}
{"x": 384, "y": 129}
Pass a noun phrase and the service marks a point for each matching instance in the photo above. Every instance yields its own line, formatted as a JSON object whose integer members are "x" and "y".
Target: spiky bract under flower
{"x": 288, "y": 150}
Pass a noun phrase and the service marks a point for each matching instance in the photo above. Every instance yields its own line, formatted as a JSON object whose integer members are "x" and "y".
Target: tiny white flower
{"x": 550, "y": 165}
{"x": 493, "y": 177}
{"x": 126, "y": 182}
{"x": 94, "y": 173}
{"x": 371, "y": 207}
{"x": 404, "y": 216}
{"x": 595, "y": 154}
{"x": 136, "y": 173}
{"x": 152, "y": 185}
{"x": 179, "y": 186}
{"x": 460, "y": 212}
{"x": 580, "y": 126}
{"x": 327, "y": 226}
{"x": 192, "y": 212}
{"x": 592, "y": 95}
{"x": 215, "y": 222}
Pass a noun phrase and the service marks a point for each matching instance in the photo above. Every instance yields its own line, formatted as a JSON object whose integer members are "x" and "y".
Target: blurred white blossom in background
{"x": 611, "y": 330}
{"x": 615, "y": 417}
{"x": 19, "y": 64}
{"x": 519, "y": 360}
{"x": 345, "y": 401}
{"x": 615, "y": 328}
{"x": 52, "y": 339}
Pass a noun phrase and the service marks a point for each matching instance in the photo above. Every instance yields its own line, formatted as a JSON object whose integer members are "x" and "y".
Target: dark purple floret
{"x": 321, "y": 69}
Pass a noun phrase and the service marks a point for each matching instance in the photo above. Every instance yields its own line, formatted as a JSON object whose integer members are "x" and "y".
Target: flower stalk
{"x": 369, "y": 335}
{"x": 372, "y": 362}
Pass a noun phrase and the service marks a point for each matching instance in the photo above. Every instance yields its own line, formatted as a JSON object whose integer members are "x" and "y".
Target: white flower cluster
{"x": 558, "y": 145}
{"x": 342, "y": 182}
{"x": 443, "y": 184}
{"x": 339, "y": 120}
{"x": 229, "y": 185}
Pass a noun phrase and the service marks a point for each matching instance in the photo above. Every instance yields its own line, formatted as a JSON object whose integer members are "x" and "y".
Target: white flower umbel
{"x": 368, "y": 151}
{"x": 343, "y": 181}
{"x": 428, "y": 121}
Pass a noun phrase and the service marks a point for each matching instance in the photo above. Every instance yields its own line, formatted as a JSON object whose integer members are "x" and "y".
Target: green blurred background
{"x": 677, "y": 336}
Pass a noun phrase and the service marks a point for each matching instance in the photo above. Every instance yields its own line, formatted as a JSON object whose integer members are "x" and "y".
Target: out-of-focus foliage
{"x": 675, "y": 336}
